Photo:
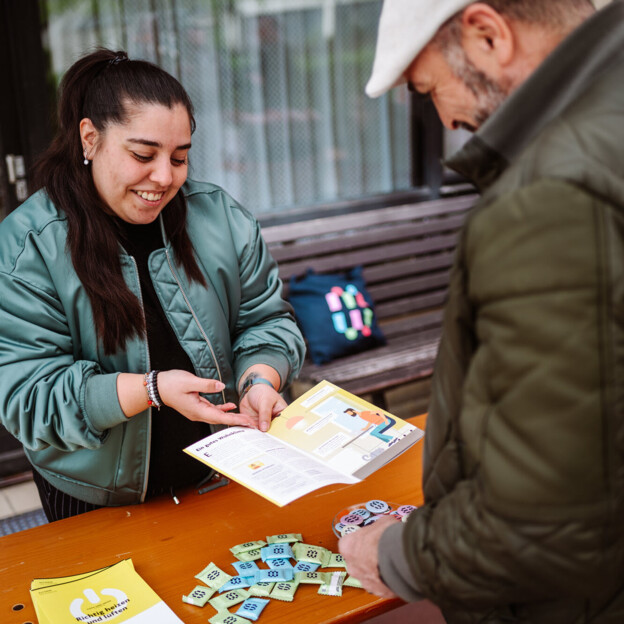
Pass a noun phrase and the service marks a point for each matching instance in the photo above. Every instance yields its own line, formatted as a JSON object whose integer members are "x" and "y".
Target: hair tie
{"x": 119, "y": 57}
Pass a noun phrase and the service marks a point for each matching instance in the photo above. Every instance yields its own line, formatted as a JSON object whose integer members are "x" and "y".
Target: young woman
{"x": 139, "y": 309}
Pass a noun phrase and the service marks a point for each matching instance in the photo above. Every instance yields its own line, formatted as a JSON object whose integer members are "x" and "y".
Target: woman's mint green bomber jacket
{"x": 58, "y": 389}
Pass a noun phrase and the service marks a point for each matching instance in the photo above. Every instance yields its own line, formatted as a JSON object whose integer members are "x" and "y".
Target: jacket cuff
{"x": 274, "y": 359}
{"x": 101, "y": 403}
{"x": 393, "y": 567}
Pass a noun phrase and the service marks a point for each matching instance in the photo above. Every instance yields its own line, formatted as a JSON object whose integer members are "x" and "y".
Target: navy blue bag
{"x": 335, "y": 313}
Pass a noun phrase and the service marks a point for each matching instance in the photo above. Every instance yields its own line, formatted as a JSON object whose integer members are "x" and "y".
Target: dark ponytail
{"x": 98, "y": 87}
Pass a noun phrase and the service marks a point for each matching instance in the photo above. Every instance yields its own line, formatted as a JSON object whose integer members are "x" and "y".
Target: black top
{"x": 169, "y": 466}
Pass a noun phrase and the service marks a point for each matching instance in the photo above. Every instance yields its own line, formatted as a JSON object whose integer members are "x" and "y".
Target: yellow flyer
{"x": 113, "y": 594}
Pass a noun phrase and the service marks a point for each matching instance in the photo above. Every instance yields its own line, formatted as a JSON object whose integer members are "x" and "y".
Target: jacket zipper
{"x": 201, "y": 329}
{"x": 149, "y": 420}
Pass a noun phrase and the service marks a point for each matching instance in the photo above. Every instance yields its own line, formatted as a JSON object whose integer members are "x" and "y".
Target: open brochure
{"x": 116, "y": 593}
{"x": 326, "y": 436}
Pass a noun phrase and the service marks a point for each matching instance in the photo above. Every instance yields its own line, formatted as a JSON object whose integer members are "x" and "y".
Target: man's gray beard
{"x": 488, "y": 93}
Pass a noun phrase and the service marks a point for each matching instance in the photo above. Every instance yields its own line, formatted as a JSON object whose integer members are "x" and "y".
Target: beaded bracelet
{"x": 150, "y": 381}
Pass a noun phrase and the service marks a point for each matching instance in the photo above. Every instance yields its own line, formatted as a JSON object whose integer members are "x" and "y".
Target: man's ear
{"x": 488, "y": 39}
{"x": 88, "y": 135}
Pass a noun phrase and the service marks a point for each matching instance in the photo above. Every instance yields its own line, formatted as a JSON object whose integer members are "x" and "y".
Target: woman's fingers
{"x": 183, "y": 392}
{"x": 226, "y": 407}
{"x": 279, "y": 405}
{"x": 172, "y": 384}
{"x": 212, "y": 386}
{"x": 262, "y": 402}
{"x": 212, "y": 414}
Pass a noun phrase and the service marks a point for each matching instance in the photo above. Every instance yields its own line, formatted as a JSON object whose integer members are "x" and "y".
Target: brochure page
{"x": 326, "y": 436}
{"x": 264, "y": 464}
{"x": 343, "y": 431}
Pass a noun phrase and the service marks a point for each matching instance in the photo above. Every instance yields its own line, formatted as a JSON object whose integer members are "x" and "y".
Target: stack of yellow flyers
{"x": 113, "y": 594}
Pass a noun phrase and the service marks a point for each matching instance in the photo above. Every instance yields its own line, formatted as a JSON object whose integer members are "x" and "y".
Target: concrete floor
{"x": 18, "y": 499}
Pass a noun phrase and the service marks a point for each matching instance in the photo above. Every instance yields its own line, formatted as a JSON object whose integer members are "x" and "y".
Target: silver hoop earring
{"x": 86, "y": 160}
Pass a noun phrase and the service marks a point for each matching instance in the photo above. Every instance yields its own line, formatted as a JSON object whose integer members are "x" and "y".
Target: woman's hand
{"x": 262, "y": 403}
{"x": 181, "y": 390}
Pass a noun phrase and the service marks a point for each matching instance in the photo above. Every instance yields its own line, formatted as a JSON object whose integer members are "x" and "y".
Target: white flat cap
{"x": 405, "y": 28}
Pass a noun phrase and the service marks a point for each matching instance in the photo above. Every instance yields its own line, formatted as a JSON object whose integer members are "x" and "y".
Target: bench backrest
{"x": 406, "y": 252}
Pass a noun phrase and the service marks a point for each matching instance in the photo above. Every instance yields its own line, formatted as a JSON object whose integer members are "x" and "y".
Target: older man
{"x": 523, "y": 478}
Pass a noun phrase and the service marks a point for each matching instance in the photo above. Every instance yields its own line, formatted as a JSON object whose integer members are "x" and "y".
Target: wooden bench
{"x": 406, "y": 253}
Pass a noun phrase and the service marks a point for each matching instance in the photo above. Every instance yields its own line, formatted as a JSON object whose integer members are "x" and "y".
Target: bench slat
{"x": 410, "y": 304}
{"x": 409, "y": 325}
{"x": 405, "y": 361}
{"x": 388, "y": 290}
{"x": 387, "y": 272}
{"x": 389, "y": 378}
{"x": 411, "y": 266}
{"x": 368, "y": 218}
{"x": 372, "y": 255}
{"x": 365, "y": 239}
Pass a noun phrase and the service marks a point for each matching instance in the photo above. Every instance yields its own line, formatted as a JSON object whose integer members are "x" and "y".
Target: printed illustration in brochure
{"x": 326, "y": 436}
{"x": 113, "y": 594}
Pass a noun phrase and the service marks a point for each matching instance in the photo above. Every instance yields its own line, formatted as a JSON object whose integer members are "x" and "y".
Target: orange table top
{"x": 169, "y": 544}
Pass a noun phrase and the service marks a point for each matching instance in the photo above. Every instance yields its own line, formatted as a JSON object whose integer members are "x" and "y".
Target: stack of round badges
{"x": 355, "y": 517}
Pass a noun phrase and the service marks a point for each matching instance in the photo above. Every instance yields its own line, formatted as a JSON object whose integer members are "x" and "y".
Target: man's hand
{"x": 262, "y": 403}
{"x": 360, "y": 552}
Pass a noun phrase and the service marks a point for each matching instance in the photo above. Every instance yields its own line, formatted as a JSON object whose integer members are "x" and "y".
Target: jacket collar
{"x": 561, "y": 78}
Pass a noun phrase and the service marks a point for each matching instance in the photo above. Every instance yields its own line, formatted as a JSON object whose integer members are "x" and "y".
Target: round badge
{"x": 377, "y": 506}
{"x": 405, "y": 510}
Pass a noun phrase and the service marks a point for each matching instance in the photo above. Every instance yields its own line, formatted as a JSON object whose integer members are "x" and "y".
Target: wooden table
{"x": 170, "y": 543}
